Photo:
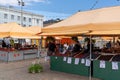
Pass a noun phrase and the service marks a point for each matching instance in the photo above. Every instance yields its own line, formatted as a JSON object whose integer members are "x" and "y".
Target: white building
{"x": 8, "y": 14}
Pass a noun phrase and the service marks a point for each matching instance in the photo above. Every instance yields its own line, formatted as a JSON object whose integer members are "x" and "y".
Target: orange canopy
{"x": 103, "y": 15}
{"x": 35, "y": 29}
{"x": 105, "y": 33}
{"x": 94, "y": 20}
{"x": 16, "y": 31}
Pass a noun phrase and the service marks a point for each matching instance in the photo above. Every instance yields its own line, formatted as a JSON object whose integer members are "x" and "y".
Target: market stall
{"x": 36, "y": 30}
{"x": 83, "y": 23}
{"x": 107, "y": 64}
{"x": 16, "y": 51}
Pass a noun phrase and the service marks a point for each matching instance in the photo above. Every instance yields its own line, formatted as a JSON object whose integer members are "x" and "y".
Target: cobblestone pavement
{"x": 18, "y": 70}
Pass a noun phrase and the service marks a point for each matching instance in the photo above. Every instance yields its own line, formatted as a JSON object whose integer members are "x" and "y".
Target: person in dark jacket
{"x": 51, "y": 48}
{"x": 88, "y": 47}
{"x": 77, "y": 47}
{"x": 3, "y": 43}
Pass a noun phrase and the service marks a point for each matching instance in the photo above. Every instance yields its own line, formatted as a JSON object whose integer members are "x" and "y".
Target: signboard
{"x": 64, "y": 59}
{"x": 82, "y": 61}
{"x": 77, "y": 61}
{"x": 115, "y": 65}
{"x": 87, "y": 63}
{"x": 102, "y": 64}
{"x": 69, "y": 60}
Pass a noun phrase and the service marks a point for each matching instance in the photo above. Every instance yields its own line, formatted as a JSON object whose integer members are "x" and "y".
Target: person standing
{"x": 77, "y": 47}
{"x": 3, "y": 44}
{"x": 51, "y": 48}
{"x": 12, "y": 42}
{"x": 108, "y": 45}
{"x": 7, "y": 41}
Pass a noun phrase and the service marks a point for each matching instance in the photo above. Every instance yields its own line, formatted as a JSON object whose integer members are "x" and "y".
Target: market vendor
{"x": 3, "y": 44}
{"x": 87, "y": 50}
{"x": 7, "y": 41}
{"x": 12, "y": 42}
{"x": 108, "y": 45}
{"x": 51, "y": 48}
{"x": 77, "y": 47}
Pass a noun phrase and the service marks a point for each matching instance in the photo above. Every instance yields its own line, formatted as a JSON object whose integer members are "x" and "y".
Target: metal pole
{"x": 9, "y": 14}
{"x": 38, "y": 53}
{"x": 41, "y": 45}
{"x": 8, "y": 57}
{"x": 90, "y": 69}
{"x": 113, "y": 44}
{"x": 21, "y": 4}
{"x": 21, "y": 14}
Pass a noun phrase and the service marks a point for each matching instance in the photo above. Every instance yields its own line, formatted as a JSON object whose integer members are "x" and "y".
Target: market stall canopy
{"x": 64, "y": 33}
{"x": 100, "y": 19}
{"x": 60, "y": 37}
{"x": 35, "y": 29}
{"x": 15, "y": 31}
{"x": 105, "y": 33}
{"x": 109, "y": 38}
{"x": 60, "y": 31}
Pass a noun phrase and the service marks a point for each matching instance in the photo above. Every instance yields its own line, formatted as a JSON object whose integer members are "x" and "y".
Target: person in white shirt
{"x": 7, "y": 41}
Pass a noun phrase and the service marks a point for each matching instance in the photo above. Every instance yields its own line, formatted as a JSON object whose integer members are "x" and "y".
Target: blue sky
{"x": 59, "y": 8}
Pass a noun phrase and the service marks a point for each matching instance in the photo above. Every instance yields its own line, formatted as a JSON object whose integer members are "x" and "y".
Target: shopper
{"x": 77, "y": 47}
{"x": 51, "y": 48}
{"x": 3, "y": 44}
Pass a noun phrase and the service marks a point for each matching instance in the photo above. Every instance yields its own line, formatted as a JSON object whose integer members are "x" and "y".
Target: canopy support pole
{"x": 39, "y": 48}
{"x": 113, "y": 44}
{"x": 90, "y": 69}
{"x": 38, "y": 53}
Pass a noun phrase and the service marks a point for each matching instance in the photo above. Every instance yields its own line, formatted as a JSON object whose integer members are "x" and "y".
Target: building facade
{"x": 9, "y": 14}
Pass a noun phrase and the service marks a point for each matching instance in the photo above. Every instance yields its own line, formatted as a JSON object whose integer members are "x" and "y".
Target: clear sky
{"x": 59, "y": 8}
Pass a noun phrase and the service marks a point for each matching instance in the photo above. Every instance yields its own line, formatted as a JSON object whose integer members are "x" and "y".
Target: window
{"x": 37, "y": 21}
{"x": 18, "y": 18}
{"x": 12, "y": 17}
{"x": 5, "y": 16}
{"x": 29, "y": 19}
{"x": 24, "y": 18}
{"x": 24, "y": 25}
{"x": 41, "y": 19}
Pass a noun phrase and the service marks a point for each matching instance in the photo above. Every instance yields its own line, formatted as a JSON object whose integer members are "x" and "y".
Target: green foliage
{"x": 74, "y": 38}
{"x": 93, "y": 40}
{"x": 50, "y": 38}
{"x": 88, "y": 39}
{"x": 35, "y": 68}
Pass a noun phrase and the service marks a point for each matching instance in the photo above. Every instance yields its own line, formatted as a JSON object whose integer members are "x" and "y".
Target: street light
{"x": 21, "y": 4}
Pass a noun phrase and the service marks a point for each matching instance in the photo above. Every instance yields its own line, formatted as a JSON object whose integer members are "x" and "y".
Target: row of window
{"x": 18, "y": 18}
{"x": 23, "y": 24}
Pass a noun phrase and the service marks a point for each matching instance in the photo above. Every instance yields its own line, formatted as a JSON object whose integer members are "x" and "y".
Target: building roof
{"x": 19, "y": 11}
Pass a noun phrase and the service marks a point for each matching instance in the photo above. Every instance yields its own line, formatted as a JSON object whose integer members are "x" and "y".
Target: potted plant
{"x": 31, "y": 69}
{"x": 38, "y": 68}
{"x": 35, "y": 68}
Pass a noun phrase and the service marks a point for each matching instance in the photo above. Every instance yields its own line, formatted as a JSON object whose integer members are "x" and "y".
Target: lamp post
{"x": 21, "y": 4}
